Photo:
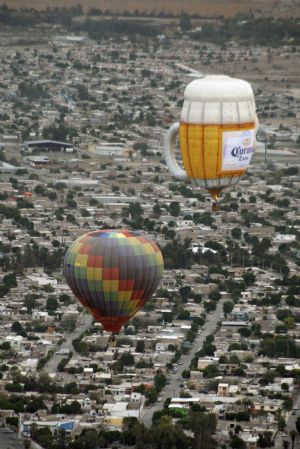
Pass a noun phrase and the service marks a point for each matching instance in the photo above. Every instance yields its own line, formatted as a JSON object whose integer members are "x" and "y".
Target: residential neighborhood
{"x": 82, "y": 125}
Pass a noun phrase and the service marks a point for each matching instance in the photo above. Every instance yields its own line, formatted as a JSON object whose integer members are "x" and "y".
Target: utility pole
{"x": 265, "y": 154}
{"x": 20, "y": 426}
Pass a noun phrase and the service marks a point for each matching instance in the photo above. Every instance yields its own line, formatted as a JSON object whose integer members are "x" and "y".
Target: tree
{"x": 143, "y": 364}
{"x": 164, "y": 435}
{"x": 31, "y": 91}
{"x": 244, "y": 332}
{"x": 69, "y": 324}
{"x": 82, "y": 92}
{"x": 5, "y": 346}
{"x": 242, "y": 416}
{"x": 151, "y": 395}
{"x": 185, "y": 22}
{"x": 186, "y": 374}
{"x": 159, "y": 381}
{"x": 12, "y": 421}
{"x": 236, "y": 233}
{"x": 204, "y": 426}
{"x": 30, "y": 301}
{"x": 298, "y": 425}
{"x": 17, "y": 327}
{"x": 185, "y": 292}
{"x": 174, "y": 208}
{"x": 55, "y": 243}
{"x": 3, "y": 290}
{"x": 210, "y": 306}
{"x": 205, "y": 218}
{"x": 135, "y": 210}
{"x": 52, "y": 196}
{"x": 74, "y": 408}
{"x": 48, "y": 288}
{"x": 237, "y": 443}
{"x": 197, "y": 297}
{"x": 71, "y": 204}
{"x": 45, "y": 384}
{"x": 183, "y": 314}
{"x": 234, "y": 360}
{"x": 127, "y": 359}
{"x": 267, "y": 378}
{"x": 51, "y": 304}
{"x": 85, "y": 213}
{"x": 156, "y": 211}
{"x": 177, "y": 254}
{"x": 42, "y": 436}
{"x": 39, "y": 190}
{"x": 249, "y": 278}
{"x": 210, "y": 371}
{"x": 290, "y": 322}
{"x": 281, "y": 423}
{"x": 140, "y": 346}
{"x": 65, "y": 299}
{"x": 293, "y": 435}
{"x": 208, "y": 348}
{"x": 61, "y": 132}
{"x": 35, "y": 404}
{"x": 10, "y": 280}
{"x": 118, "y": 366}
{"x": 228, "y": 307}
{"x": 142, "y": 147}
{"x": 88, "y": 440}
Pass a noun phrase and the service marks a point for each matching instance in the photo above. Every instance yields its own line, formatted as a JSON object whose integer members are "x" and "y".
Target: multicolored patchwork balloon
{"x": 113, "y": 273}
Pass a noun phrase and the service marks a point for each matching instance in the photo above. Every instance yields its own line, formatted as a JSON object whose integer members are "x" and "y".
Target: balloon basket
{"x": 215, "y": 207}
{"x": 112, "y": 342}
{"x": 214, "y": 193}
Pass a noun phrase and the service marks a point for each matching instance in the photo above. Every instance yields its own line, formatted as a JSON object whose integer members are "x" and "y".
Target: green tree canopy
{"x": 127, "y": 359}
{"x": 228, "y": 307}
{"x": 185, "y": 21}
{"x": 51, "y": 304}
{"x": 174, "y": 208}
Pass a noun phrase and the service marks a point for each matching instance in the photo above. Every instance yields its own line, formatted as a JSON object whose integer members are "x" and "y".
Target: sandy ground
{"x": 204, "y": 8}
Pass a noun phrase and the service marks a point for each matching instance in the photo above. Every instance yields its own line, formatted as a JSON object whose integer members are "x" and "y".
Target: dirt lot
{"x": 204, "y": 8}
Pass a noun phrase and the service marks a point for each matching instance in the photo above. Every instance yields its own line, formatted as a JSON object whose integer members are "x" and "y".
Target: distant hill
{"x": 204, "y": 8}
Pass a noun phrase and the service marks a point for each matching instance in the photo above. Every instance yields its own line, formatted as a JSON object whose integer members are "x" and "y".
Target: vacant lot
{"x": 204, "y": 8}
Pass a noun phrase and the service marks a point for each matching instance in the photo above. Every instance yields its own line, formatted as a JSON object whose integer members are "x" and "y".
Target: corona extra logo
{"x": 246, "y": 141}
{"x": 241, "y": 152}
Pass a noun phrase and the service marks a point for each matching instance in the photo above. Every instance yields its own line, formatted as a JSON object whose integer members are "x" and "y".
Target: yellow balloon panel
{"x": 201, "y": 149}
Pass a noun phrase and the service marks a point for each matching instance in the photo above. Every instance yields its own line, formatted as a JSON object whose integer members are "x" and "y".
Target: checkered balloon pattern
{"x": 113, "y": 273}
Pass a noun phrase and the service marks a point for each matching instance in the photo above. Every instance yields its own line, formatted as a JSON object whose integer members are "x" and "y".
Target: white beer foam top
{"x": 218, "y": 99}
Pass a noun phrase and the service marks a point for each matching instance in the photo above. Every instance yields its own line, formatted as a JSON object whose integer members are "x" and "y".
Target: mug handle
{"x": 169, "y": 153}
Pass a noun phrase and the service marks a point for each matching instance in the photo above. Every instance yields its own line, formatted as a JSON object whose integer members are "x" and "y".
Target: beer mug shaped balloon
{"x": 216, "y": 133}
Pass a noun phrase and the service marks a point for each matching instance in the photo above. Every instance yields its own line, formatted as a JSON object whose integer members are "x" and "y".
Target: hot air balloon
{"x": 113, "y": 273}
{"x": 216, "y": 133}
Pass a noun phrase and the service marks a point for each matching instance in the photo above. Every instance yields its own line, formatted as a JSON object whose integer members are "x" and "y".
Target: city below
{"x": 211, "y": 360}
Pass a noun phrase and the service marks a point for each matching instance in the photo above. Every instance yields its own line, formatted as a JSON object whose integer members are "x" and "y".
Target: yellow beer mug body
{"x": 216, "y": 133}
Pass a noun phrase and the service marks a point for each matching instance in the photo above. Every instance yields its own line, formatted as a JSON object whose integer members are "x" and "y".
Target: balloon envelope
{"x": 113, "y": 273}
{"x": 216, "y": 132}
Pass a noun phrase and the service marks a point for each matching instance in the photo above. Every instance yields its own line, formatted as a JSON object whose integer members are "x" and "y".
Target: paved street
{"x": 290, "y": 425}
{"x": 86, "y": 321}
{"x": 10, "y": 441}
{"x": 172, "y": 389}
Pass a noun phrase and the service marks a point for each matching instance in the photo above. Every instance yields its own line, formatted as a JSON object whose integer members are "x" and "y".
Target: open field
{"x": 285, "y": 8}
